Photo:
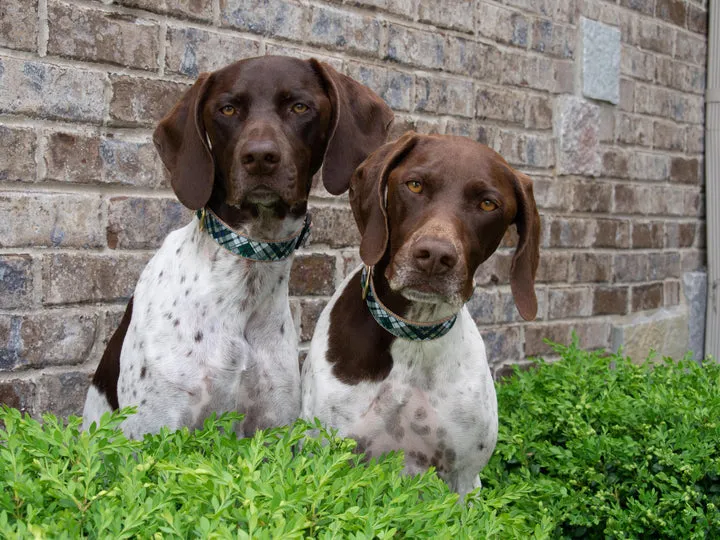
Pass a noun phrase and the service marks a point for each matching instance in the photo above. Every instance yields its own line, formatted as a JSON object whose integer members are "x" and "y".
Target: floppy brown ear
{"x": 367, "y": 196}
{"x": 359, "y": 125}
{"x": 181, "y": 142}
{"x": 527, "y": 254}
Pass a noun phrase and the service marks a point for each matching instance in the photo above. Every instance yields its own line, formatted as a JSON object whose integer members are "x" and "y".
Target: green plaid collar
{"x": 395, "y": 324}
{"x": 238, "y": 244}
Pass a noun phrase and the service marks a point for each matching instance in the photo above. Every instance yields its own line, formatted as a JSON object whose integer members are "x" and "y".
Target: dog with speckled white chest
{"x": 209, "y": 327}
{"x": 397, "y": 362}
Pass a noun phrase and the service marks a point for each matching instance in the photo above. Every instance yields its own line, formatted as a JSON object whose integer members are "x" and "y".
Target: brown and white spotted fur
{"x": 207, "y": 330}
{"x": 430, "y": 210}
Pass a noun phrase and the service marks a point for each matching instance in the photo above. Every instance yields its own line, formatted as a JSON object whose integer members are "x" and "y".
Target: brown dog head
{"x": 431, "y": 209}
{"x": 254, "y": 133}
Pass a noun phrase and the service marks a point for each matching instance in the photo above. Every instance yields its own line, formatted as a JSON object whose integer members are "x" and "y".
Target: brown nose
{"x": 260, "y": 156}
{"x": 434, "y": 256}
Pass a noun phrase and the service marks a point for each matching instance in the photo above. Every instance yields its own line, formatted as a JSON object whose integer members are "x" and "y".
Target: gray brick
{"x": 131, "y": 161}
{"x": 19, "y": 25}
{"x": 470, "y": 58}
{"x": 39, "y": 89}
{"x": 394, "y": 86}
{"x": 690, "y": 48}
{"x": 334, "y": 226}
{"x": 444, "y": 96}
{"x": 18, "y": 394}
{"x": 645, "y": 166}
{"x": 416, "y": 47}
{"x": 500, "y": 104}
{"x": 194, "y": 9}
{"x": 553, "y": 39}
{"x": 63, "y": 394}
{"x": 345, "y": 31}
{"x": 144, "y": 102}
{"x": 51, "y": 220}
{"x": 569, "y": 302}
{"x": 16, "y": 281}
{"x": 277, "y": 18}
{"x": 17, "y": 160}
{"x": 405, "y": 8}
{"x": 539, "y": 112}
{"x": 73, "y": 157}
{"x": 143, "y": 223}
{"x": 503, "y": 344}
{"x": 453, "y": 14}
{"x": 502, "y": 25}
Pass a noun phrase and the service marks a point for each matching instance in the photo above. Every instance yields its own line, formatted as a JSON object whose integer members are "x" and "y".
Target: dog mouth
{"x": 263, "y": 196}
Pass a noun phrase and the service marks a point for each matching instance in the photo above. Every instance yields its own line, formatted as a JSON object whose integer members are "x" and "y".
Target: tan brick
{"x": 448, "y": 14}
{"x": 646, "y": 166}
{"x": 51, "y": 220}
{"x": 590, "y": 267}
{"x": 71, "y": 278}
{"x": 143, "y": 223}
{"x": 501, "y": 24}
{"x": 648, "y": 296}
{"x": 19, "y": 25}
{"x": 63, "y": 394}
{"x": 553, "y": 39}
{"x": 536, "y": 334}
{"x": 194, "y": 9}
{"x": 655, "y": 37}
{"x": 139, "y": 101}
{"x": 690, "y": 48}
{"x": 553, "y": 193}
{"x": 277, "y": 18}
{"x": 648, "y": 235}
{"x": 444, "y": 96}
{"x": 334, "y": 226}
{"x": 500, "y": 104}
{"x": 637, "y": 64}
{"x": 18, "y": 394}
{"x": 668, "y": 136}
{"x": 569, "y": 302}
{"x": 610, "y": 301}
{"x": 416, "y": 47}
{"x": 635, "y": 130}
{"x": 131, "y": 161}
{"x": 16, "y": 281}
{"x": 345, "y": 31}
{"x": 17, "y": 160}
{"x": 525, "y": 149}
{"x": 312, "y": 274}
{"x": 393, "y": 86}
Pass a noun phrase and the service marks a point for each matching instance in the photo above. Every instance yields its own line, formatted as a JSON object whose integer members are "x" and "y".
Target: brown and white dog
{"x": 209, "y": 330}
{"x": 430, "y": 210}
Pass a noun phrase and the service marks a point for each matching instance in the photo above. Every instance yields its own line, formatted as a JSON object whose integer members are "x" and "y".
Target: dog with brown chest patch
{"x": 209, "y": 327}
{"x": 397, "y": 362}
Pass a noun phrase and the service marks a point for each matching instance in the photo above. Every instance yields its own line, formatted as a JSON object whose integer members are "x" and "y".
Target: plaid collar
{"x": 395, "y": 324}
{"x": 245, "y": 247}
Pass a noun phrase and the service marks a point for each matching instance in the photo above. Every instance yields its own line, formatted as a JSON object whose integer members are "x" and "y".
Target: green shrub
{"x": 591, "y": 446}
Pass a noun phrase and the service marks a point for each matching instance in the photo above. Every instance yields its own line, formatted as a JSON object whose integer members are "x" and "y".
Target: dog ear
{"x": 527, "y": 253}
{"x": 367, "y": 196}
{"x": 180, "y": 140}
{"x": 359, "y": 124}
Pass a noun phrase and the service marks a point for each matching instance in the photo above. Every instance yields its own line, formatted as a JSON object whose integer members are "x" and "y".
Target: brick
{"x": 654, "y": 37}
{"x": 404, "y": 8}
{"x": 672, "y": 294}
{"x": 350, "y": 261}
{"x": 685, "y": 171}
{"x": 506, "y": 310}
{"x": 19, "y": 25}
{"x": 648, "y": 235}
{"x": 540, "y": 73}
{"x": 553, "y": 39}
{"x": 283, "y": 49}
{"x": 632, "y": 199}
{"x": 536, "y": 334}
{"x": 312, "y": 275}
{"x": 606, "y": 131}
{"x": 500, "y": 104}
{"x": 16, "y": 281}
{"x": 71, "y": 278}
{"x": 50, "y": 220}
{"x": 277, "y": 18}
{"x": 309, "y": 314}
{"x": 697, "y": 19}
{"x": 576, "y": 127}
{"x": 672, "y": 11}
{"x": 416, "y": 47}
{"x": 334, "y": 226}
{"x": 393, "y": 86}
{"x": 664, "y": 265}
{"x": 10, "y": 342}
{"x": 612, "y": 233}
{"x": 482, "y": 305}
{"x": 461, "y": 127}
{"x": 553, "y": 194}
{"x": 525, "y": 149}
{"x": 502, "y": 344}
{"x": 643, "y": 6}
{"x": 690, "y": 48}
{"x": 694, "y": 261}
{"x": 448, "y": 14}
{"x": 72, "y": 157}
{"x": 470, "y": 58}
{"x": 645, "y": 297}
{"x": 637, "y": 64}
{"x": 630, "y": 267}
{"x": 539, "y": 112}
{"x": 593, "y": 334}
{"x": 18, "y": 394}
{"x": 569, "y": 302}
{"x": 194, "y": 9}
{"x": 101, "y": 36}
{"x": 495, "y": 270}
{"x": 144, "y": 102}
{"x": 627, "y": 95}
{"x": 131, "y": 161}
{"x": 591, "y": 196}
{"x": 502, "y": 25}
{"x": 610, "y": 301}
{"x": 566, "y": 232}
{"x": 539, "y": 7}
{"x": 554, "y": 267}
{"x": 143, "y": 223}
{"x": 444, "y": 96}
{"x": 63, "y": 394}
{"x": 668, "y": 136}
{"x": 191, "y": 51}
{"x": 39, "y": 89}
{"x": 645, "y": 166}
{"x": 344, "y": 31}
{"x": 17, "y": 160}
{"x": 686, "y": 234}
{"x": 590, "y": 267}
{"x": 635, "y": 130}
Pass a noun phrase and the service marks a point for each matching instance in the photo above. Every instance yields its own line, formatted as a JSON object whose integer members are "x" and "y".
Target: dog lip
{"x": 263, "y": 196}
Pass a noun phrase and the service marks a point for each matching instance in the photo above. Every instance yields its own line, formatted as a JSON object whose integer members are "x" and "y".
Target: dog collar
{"x": 396, "y": 325}
{"x": 245, "y": 247}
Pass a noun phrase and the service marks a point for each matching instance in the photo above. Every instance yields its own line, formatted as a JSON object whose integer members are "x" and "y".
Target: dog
{"x": 397, "y": 362}
{"x": 209, "y": 327}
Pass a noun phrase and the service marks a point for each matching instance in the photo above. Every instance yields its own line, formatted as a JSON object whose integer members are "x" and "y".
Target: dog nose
{"x": 260, "y": 156}
{"x": 434, "y": 256}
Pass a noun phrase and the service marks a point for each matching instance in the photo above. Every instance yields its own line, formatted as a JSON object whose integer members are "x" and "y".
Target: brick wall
{"x": 618, "y": 174}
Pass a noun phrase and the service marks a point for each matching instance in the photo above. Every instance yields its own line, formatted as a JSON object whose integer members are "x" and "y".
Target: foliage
{"x": 590, "y": 446}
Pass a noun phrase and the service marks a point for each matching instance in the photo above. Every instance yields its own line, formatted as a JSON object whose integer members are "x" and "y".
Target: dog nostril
{"x": 423, "y": 254}
{"x": 448, "y": 260}
{"x": 272, "y": 157}
{"x": 246, "y": 159}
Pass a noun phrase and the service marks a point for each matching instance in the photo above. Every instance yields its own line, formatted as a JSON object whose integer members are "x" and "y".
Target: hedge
{"x": 590, "y": 446}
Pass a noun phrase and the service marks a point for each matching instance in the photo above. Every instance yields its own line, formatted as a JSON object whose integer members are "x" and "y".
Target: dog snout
{"x": 434, "y": 256}
{"x": 260, "y": 157}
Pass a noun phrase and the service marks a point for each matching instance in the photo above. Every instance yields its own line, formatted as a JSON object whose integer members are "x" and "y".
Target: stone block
{"x": 694, "y": 286}
{"x": 577, "y": 133}
{"x": 18, "y": 394}
{"x": 17, "y": 160}
{"x": 72, "y": 278}
{"x": 601, "y": 61}
{"x": 278, "y": 18}
{"x": 191, "y": 51}
{"x": 444, "y": 96}
{"x": 393, "y": 86}
{"x": 139, "y": 101}
{"x": 101, "y": 36}
{"x": 334, "y": 226}
{"x": 143, "y": 223}
{"x": 39, "y": 89}
{"x": 16, "y": 281}
{"x": 345, "y": 31}
{"x": 312, "y": 275}
{"x": 19, "y": 25}
{"x": 664, "y": 331}
{"x": 502, "y": 25}
{"x": 51, "y": 220}
{"x": 63, "y": 394}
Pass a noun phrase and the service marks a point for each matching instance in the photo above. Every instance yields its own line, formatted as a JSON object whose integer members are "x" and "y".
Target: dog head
{"x": 431, "y": 209}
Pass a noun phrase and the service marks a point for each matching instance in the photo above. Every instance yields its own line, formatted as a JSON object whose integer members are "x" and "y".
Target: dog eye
{"x": 488, "y": 206}
{"x": 227, "y": 110}
{"x": 299, "y": 108}
{"x": 415, "y": 186}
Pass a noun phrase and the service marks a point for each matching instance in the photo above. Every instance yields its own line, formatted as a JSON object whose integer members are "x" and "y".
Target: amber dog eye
{"x": 488, "y": 206}
{"x": 299, "y": 108}
{"x": 227, "y": 110}
{"x": 415, "y": 186}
